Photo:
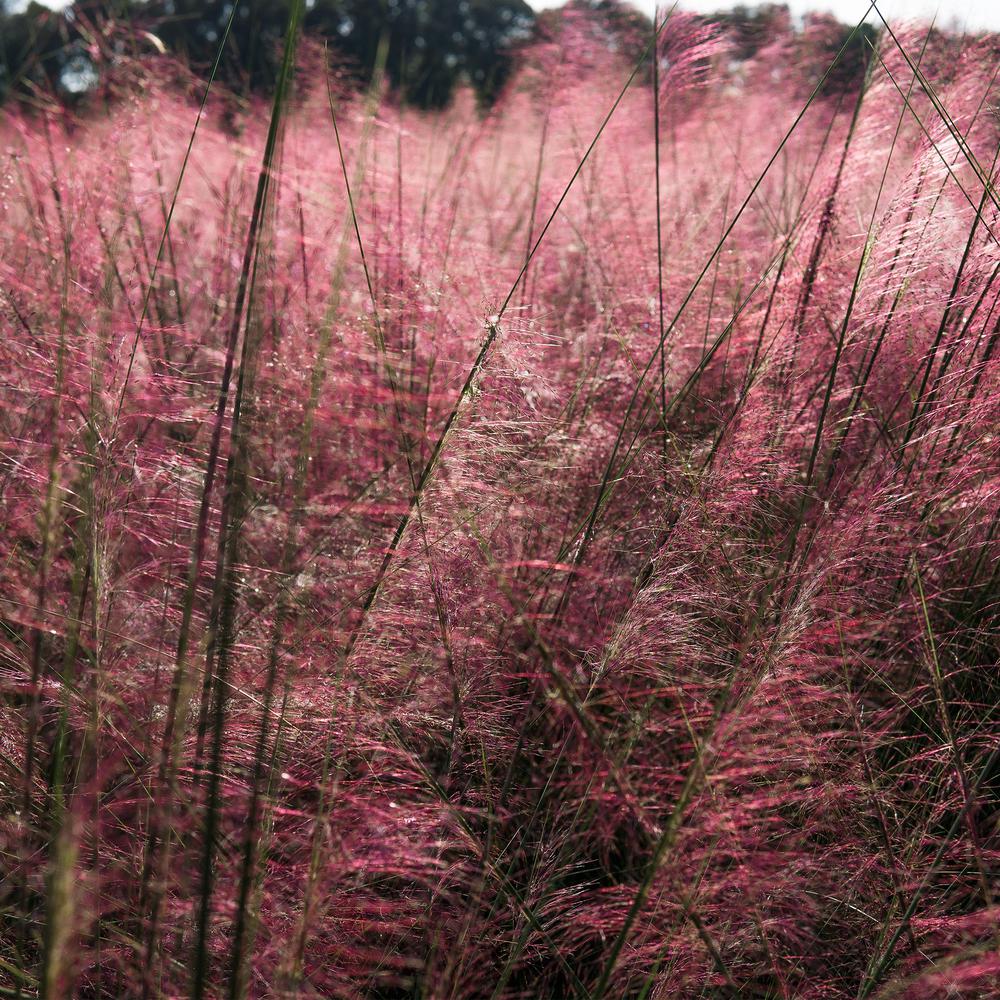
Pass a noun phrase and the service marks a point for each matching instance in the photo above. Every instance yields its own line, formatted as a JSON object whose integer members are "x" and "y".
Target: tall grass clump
{"x": 549, "y": 551}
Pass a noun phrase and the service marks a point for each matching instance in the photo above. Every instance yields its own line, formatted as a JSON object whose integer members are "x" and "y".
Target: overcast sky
{"x": 973, "y": 14}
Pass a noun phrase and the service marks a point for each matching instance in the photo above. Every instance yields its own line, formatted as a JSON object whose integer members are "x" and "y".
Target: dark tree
{"x": 752, "y": 28}
{"x": 431, "y": 44}
{"x": 34, "y": 45}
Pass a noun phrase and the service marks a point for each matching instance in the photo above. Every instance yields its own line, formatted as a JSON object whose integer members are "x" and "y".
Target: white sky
{"x": 972, "y": 14}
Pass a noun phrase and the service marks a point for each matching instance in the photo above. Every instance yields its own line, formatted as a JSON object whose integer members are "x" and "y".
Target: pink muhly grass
{"x": 550, "y": 552}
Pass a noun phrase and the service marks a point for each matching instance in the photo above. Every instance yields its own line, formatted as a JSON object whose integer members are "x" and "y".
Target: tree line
{"x": 428, "y": 47}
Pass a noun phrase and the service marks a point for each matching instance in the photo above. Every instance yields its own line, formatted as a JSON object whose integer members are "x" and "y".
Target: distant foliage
{"x": 431, "y": 45}
{"x": 428, "y": 47}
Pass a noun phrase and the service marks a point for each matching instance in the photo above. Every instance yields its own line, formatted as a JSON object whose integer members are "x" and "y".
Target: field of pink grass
{"x": 545, "y": 553}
